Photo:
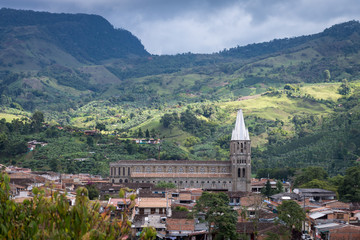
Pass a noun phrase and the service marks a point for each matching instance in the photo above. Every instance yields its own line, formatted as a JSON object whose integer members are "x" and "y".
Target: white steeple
{"x": 240, "y": 132}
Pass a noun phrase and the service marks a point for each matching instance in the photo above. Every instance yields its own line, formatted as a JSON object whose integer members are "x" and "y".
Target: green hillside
{"x": 82, "y": 73}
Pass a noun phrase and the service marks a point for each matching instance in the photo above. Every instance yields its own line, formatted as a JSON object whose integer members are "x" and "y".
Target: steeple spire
{"x": 240, "y": 132}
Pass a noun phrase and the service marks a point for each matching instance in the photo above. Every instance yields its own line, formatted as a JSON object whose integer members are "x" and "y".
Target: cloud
{"x": 206, "y": 26}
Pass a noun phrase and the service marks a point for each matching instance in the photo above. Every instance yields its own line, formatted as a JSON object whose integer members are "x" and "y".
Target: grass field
{"x": 9, "y": 117}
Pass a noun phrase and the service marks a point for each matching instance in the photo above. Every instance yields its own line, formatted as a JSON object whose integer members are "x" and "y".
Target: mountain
{"x": 88, "y": 38}
{"x": 55, "y": 62}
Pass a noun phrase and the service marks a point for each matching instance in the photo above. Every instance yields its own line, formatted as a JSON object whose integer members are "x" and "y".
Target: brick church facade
{"x": 232, "y": 175}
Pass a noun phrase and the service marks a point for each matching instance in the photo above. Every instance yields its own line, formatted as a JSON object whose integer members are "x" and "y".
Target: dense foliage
{"x": 52, "y": 217}
{"x": 220, "y": 217}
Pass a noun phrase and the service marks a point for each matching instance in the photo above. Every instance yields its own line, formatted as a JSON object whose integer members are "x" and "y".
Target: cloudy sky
{"x": 206, "y": 26}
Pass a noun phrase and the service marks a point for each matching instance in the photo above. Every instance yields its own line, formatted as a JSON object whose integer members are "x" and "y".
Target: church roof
{"x": 240, "y": 132}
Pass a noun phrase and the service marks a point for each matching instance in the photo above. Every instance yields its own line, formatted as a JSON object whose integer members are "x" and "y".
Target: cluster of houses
{"x": 167, "y": 210}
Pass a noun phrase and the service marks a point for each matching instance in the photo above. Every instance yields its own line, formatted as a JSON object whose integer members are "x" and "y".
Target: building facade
{"x": 232, "y": 175}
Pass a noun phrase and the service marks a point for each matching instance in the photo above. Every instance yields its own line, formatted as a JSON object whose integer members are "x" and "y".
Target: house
{"x": 258, "y": 184}
{"x": 90, "y": 132}
{"x": 345, "y": 232}
{"x": 153, "y": 206}
{"x": 316, "y": 194}
{"x": 326, "y": 215}
{"x": 155, "y": 220}
{"x": 179, "y": 228}
{"x": 278, "y": 198}
{"x": 235, "y": 197}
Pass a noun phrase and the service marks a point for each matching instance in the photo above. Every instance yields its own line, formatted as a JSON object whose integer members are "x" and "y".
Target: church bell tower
{"x": 240, "y": 155}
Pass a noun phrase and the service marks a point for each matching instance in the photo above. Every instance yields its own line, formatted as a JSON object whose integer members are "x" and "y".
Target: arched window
{"x": 137, "y": 169}
{"x": 213, "y": 170}
{"x": 120, "y": 181}
{"x": 244, "y": 172}
{"x": 238, "y": 146}
{"x": 148, "y": 169}
{"x": 124, "y": 171}
{"x": 113, "y": 181}
{"x": 181, "y": 170}
{"x": 241, "y": 147}
{"x": 239, "y": 173}
{"x": 191, "y": 170}
{"x": 202, "y": 170}
{"x": 170, "y": 170}
{"x": 159, "y": 169}
{"x": 111, "y": 171}
{"x": 126, "y": 180}
{"x": 119, "y": 172}
{"x": 128, "y": 171}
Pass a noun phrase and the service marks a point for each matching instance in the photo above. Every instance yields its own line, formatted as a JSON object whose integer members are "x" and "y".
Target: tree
{"x": 349, "y": 189}
{"x": 147, "y": 133}
{"x": 291, "y": 214}
{"x": 37, "y": 120}
{"x": 93, "y": 191}
{"x": 344, "y": 88}
{"x": 140, "y": 133}
{"x": 100, "y": 126}
{"x": 148, "y": 233}
{"x": 316, "y": 183}
{"x": 279, "y": 187}
{"x": 163, "y": 184}
{"x": 308, "y": 174}
{"x": 267, "y": 190}
{"x": 54, "y": 218}
{"x": 327, "y": 75}
{"x": 219, "y": 214}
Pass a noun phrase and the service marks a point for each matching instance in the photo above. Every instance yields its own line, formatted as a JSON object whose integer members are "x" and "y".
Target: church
{"x": 232, "y": 175}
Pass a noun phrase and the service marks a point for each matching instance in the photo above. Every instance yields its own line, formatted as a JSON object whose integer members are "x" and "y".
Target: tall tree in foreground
{"x": 292, "y": 215}
{"x": 219, "y": 215}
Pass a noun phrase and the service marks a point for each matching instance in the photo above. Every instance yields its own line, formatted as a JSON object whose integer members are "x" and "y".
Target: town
{"x": 165, "y": 196}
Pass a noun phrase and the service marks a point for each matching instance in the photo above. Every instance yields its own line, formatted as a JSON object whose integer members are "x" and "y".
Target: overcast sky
{"x": 206, "y": 26}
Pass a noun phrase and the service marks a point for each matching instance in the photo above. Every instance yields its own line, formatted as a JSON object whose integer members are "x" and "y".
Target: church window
{"x": 113, "y": 181}
{"x": 119, "y": 172}
{"x": 213, "y": 170}
{"x": 159, "y": 169}
{"x": 244, "y": 172}
{"x": 191, "y": 170}
{"x": 123, "y": 171}
{"x": 170, "y": 170}
{"x": 202, "y": 170}
{"x": 242, "y": 147}
{"x": 128, "y": 171}
{"x": 148, "y": 169}
{"x": 111, "y": 172}
{"x": 239, "y": 172}
{"x": 120, "y": 181}
{"x": 238, "y": 146}
{"x": 137, "y": 169}
{"x": 181, "y": 170}
{"x": 126, "y": 181}
{"x": 223, "y": 170}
